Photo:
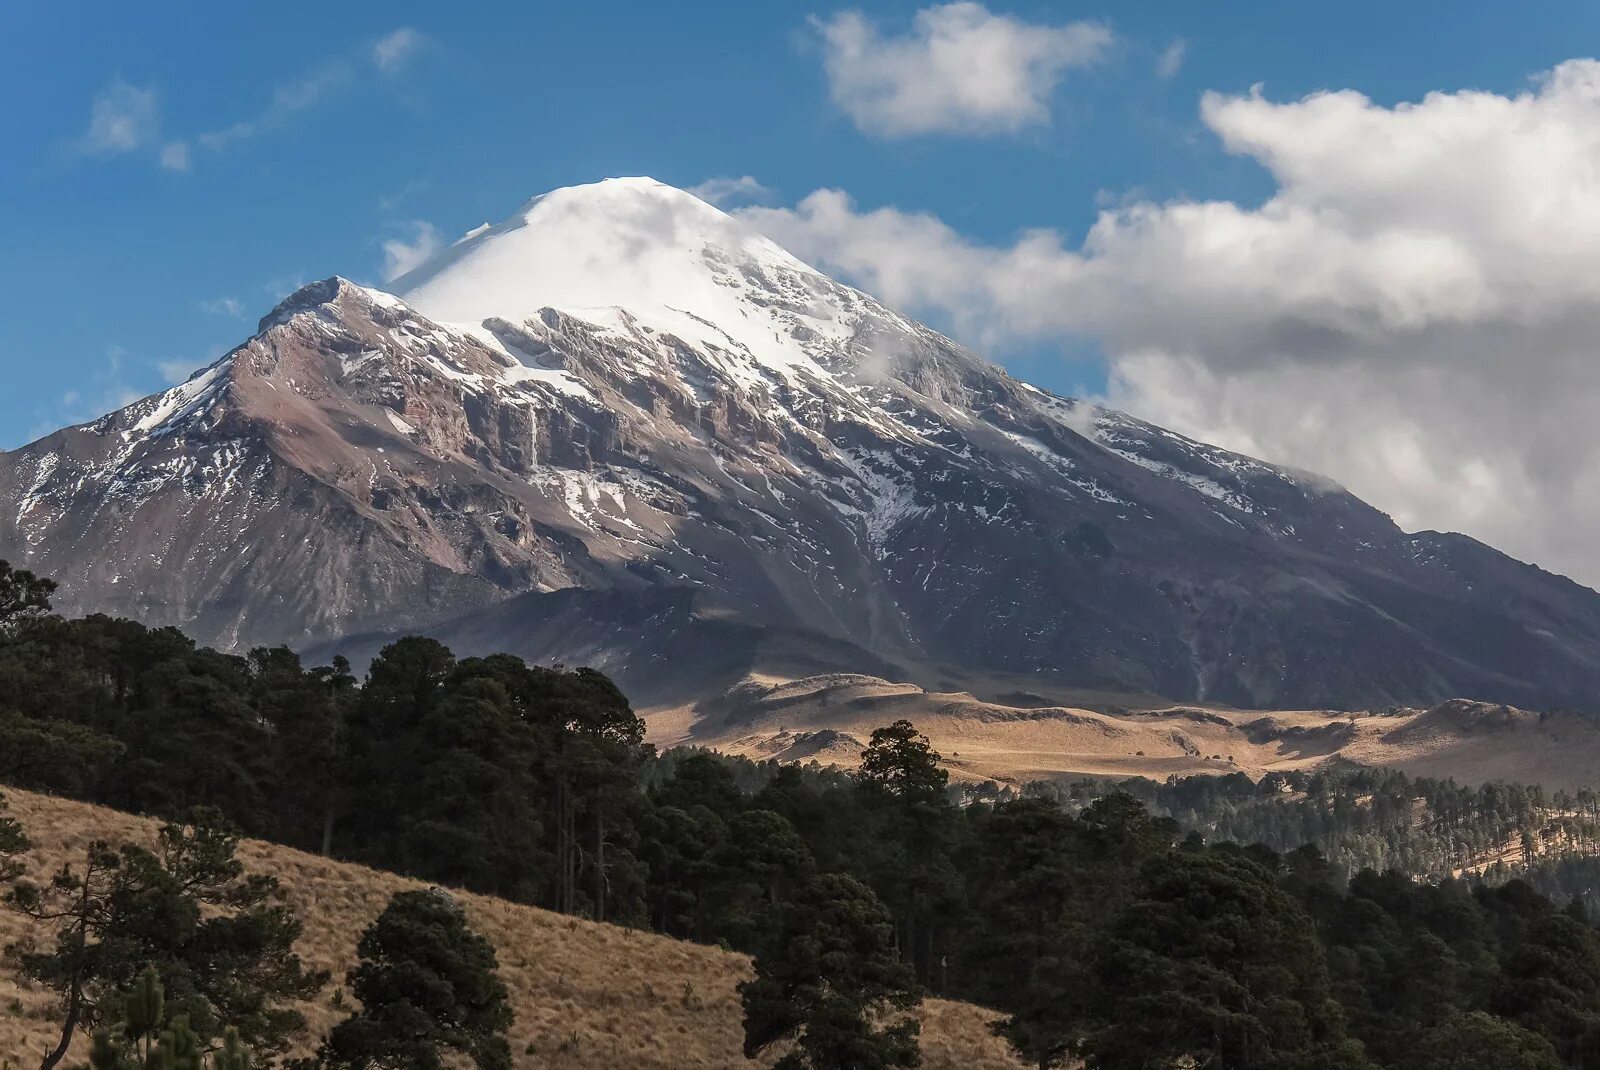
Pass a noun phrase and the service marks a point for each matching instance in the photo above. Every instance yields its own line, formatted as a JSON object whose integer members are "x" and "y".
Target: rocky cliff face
{"x": 623, "y": 390}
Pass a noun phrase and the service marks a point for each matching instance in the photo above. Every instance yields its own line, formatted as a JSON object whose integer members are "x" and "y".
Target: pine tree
{"x": 22, "y": 596}
{"x": 427, "y": 985}
{"x": 1027, "y": 945}
{"x": 13, "y": 841}
{"x": 233, "y": 1054}
{"x": 914, "y": 828}
{"x": 147, "y": 1039}
{"x": 761, "y": 862}
{"x": 1212, "y": 964}
{"x": 1478, "y": 1041}
{"x": 900, "y": 762}
{"x": 829, "y": 982}
{"x": 223, "y": 950}
{"x": 1550, "y": 982}
{"x": 144, "y": 1010}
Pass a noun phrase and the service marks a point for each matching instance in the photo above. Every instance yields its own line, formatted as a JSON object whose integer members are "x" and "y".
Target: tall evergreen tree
{"x": 1550, "y": 982}
{"x": 1479, "y": 1041}
{"x": 761, "y": 862}
{"x": 1212, "y": 964}
{"x": 222, "y": 948}
{"x": 23, "y": 596}
{"x": 899, "y": 762}
{"x": 309, "y": 712}
{"x": 829, "y": 983}
{"x": 148, "y": 1037}
{"x": 427, "y": 987}
{"x": 55, "y": 756}
{"x": 1028, "y": 946}
{"x": 13, "y": 842}
{"x": 914, "y": 830}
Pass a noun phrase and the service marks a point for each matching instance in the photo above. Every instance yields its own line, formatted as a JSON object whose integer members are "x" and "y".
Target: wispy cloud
{"x": 175, "y": 371}
{"x": 394, "y": 50}
{"x": 281, "y": 286}
{"x": 288, "y": 100}
{"x": 175, "y": 156}
{"x": 401, "y": 256}
{"x": 960, "y": 69}
{"x": 126, "y": 118}
{"x": 1170, "y": 62}
{"x": 390, "y": 201}
{"x": 224, "y": 306}
{"x": 123, "y": 118}
{"x": 725, "y": 190}
{"x": 104, "y": 389}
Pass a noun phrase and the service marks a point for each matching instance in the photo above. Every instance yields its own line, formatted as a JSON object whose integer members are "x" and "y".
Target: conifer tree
{"x": 1212, "y": 964}
{"x": 829, "y": 983}
{"x": 146, "y": 1038}
{"x": 427, "y": 986}
{"x": 223, "y": 950}
{"x": 13, "y": 841}
{"x": 914, "y": 829}
{"x": 1028, "y": 944}
{"x": 233, "y": 1055}
{"x": 22, "y": 596}
{"x": 1478, "y": 1041}
{"x": 899, "y": 762}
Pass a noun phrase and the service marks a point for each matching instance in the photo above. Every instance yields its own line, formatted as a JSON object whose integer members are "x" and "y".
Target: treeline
{"x": 1095, "y": 926}
{"x": 1370, "y": 818}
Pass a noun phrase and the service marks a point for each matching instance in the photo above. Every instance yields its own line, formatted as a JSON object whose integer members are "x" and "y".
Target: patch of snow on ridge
{"x": 890, "y": 493}
{"x": 560, "y": 381}
{"x": 34, "y": 495}
{"x": 1209, "y": 487}
{"x": 184, "y": 400}
{"x": 521, "y": 368}
{"x": 1066, "y": 468}
{"x": 381, "y": 299}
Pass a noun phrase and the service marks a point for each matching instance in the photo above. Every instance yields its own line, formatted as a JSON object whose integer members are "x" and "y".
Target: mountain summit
{"x": 623, "y": 428}
{"x": 636, "y": 252}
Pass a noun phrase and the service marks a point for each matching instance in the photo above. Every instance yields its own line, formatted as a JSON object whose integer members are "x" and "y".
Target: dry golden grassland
{"x": 586, "y": 995}
{"x": 1471, "y": 742}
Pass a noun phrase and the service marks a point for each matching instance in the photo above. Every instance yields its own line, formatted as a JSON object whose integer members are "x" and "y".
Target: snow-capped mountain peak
{"x": 633, "y": 255}
{"x": 623, "y": 390}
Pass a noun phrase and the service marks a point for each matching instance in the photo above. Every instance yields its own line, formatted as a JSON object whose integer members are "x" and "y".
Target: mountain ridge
{"x": 802, "y": 459}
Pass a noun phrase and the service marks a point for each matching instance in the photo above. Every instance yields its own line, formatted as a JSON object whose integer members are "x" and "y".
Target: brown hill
{"x": 826, "y": 718}
{"x": 586, "y": 995}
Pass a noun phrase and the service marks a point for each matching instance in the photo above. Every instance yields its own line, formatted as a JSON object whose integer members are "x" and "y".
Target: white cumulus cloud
{"x": 961, "y": 69}
{"x": 1415, "y": 311}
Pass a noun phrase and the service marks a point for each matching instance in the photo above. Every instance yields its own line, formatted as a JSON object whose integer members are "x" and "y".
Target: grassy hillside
{"x": 585, "y": 995}
{"x": 829, "y": 719}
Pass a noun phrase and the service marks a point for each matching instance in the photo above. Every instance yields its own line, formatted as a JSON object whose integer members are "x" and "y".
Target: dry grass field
{"x": 828, "y": 719}
{"x": 586, "y": 995}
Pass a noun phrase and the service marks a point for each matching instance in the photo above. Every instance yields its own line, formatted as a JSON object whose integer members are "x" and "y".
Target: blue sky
{"x": 116, "y": 267}
{"x": 244, "y": 150}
